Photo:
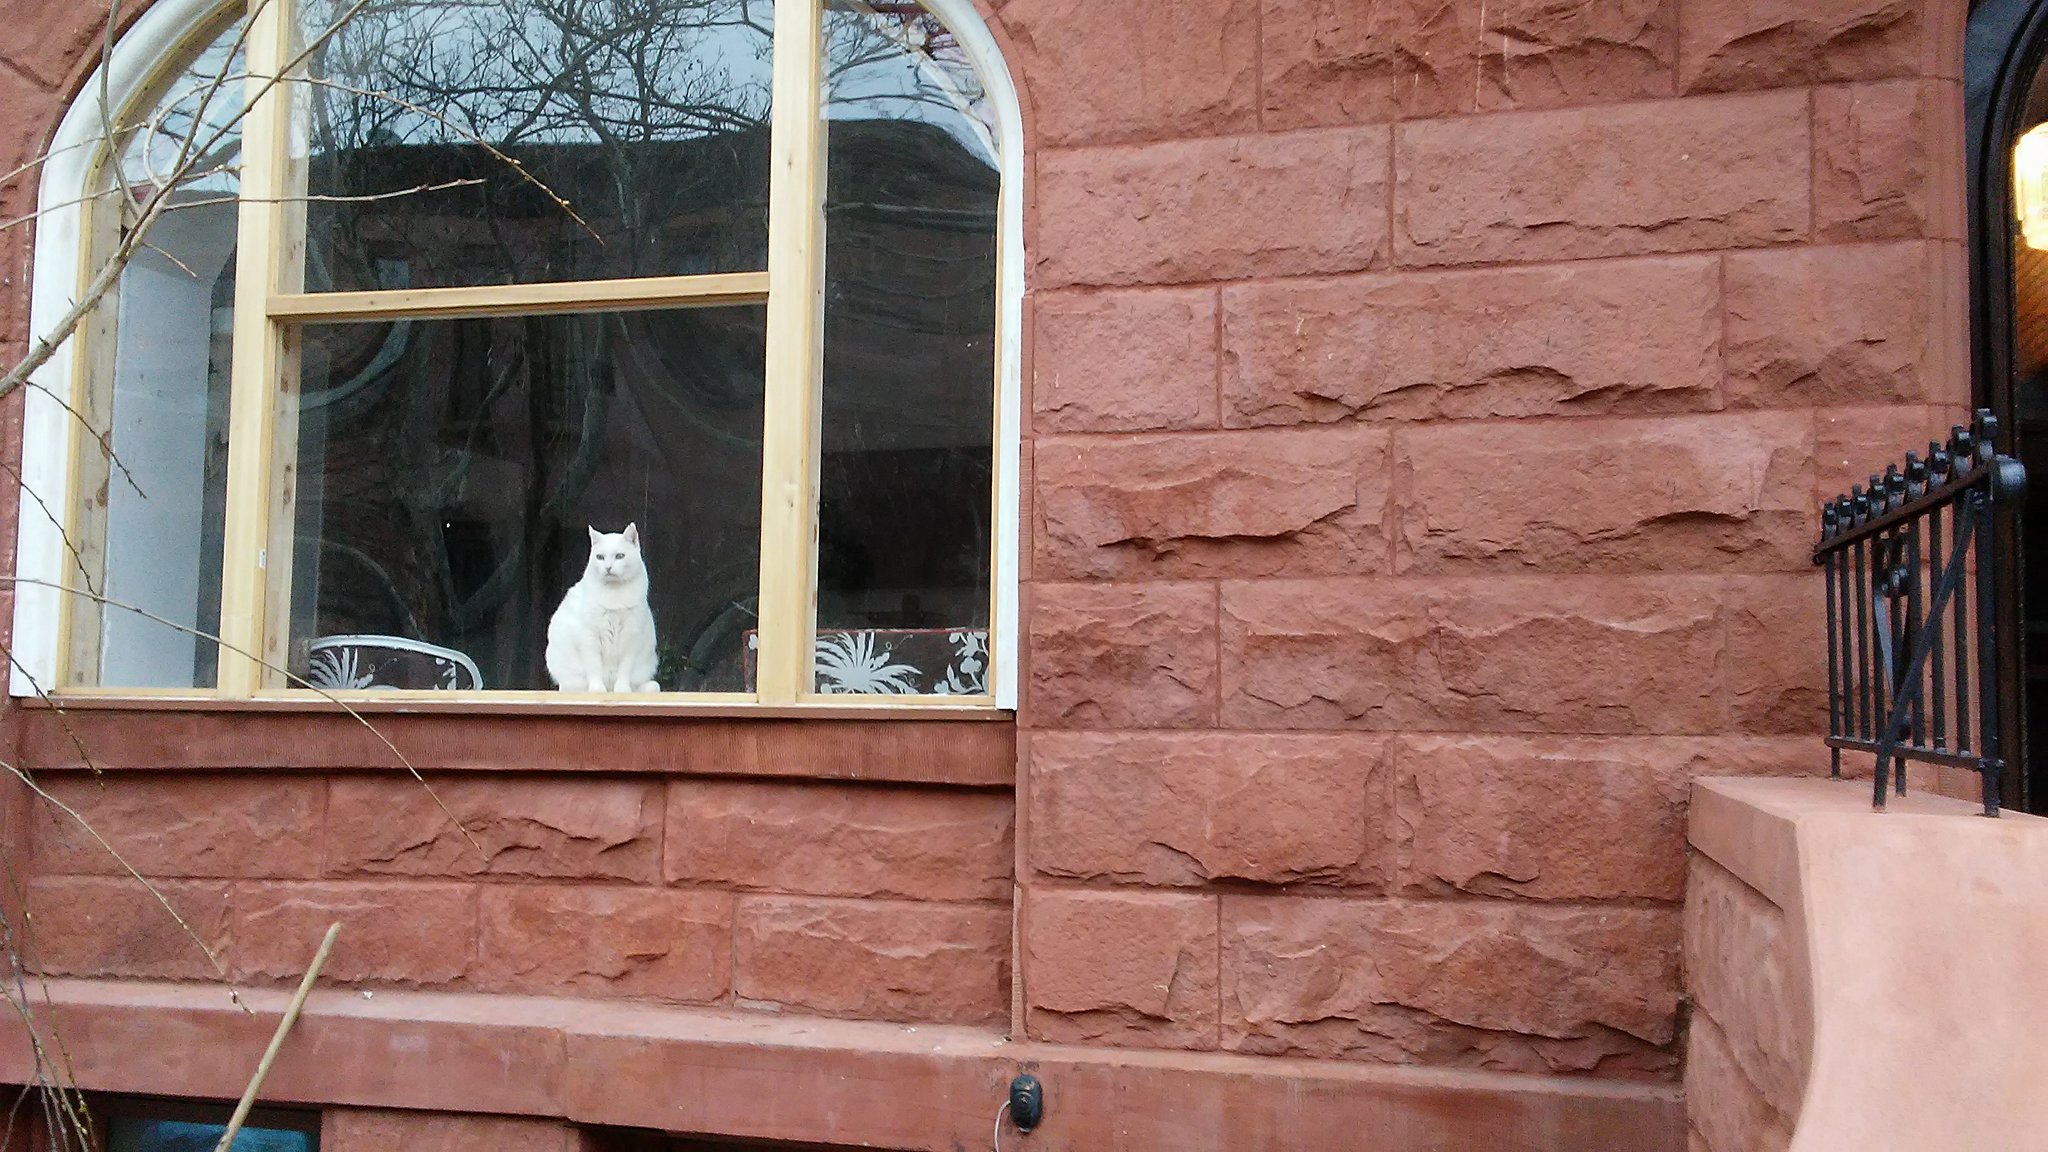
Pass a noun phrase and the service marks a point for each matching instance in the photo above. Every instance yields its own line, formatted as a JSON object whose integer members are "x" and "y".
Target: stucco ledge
{"x": 1915, "y": 936}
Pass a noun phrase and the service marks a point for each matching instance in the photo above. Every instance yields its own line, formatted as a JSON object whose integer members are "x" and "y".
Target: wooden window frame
{"x": 267, "y": 307}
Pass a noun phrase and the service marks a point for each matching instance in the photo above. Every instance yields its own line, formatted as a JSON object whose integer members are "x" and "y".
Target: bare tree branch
{"x": 301, "y": 681}
{"x": 468, "y": 137}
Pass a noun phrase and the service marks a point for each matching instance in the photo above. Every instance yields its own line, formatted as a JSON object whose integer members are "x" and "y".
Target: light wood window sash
{"x": 264, "y": 247}
{"x": 553, "y": 297}
{"x": 270, "y": 304}
{"x": 796, "y": 356}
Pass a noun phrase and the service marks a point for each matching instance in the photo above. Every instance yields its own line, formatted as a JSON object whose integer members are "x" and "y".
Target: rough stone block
{"x": 114, "y": 926}
{"x": 1724, "y": 1110}
{"x": 875, "y": 960}
{"x": 1776, "y": 662}
{"x": 1627, "y": 179}
{"x": 1138, "y": 361}
{"x": 1123, "y": 656}
{"x": 1669, "y": 494}
{"x": 1129, "y": 969}
{"x": 840, "y": 840}
{"x": 391, "y": 933}
{"x": 14, "y": 280}
{"x": 50, "y": 42}
{"x": 1852, "y": 443}
{"x": 1729, "y": 44}
{"x": 1830, "y": 326}
{"x": 1505, "y": 986}
{"x": 1189, "y": 809}
{"x": 1182, "y": 212}
{"x": 1329, "y": 62}
{"x": 27, "y": 113}
{"x": 1542, "y": 54}
{"x": 608, "y": 941}
{"x": 1871, "y": 176}
{"x": 1623, "y": 336}
{"x": 1564, "y": 818}
{"x": 382, "y": 1130}
{"x": 1739, "y": 957}
{"x": 1606, "y": 654}
{"x": 555, "y": 828}
{"x": 215, "y": 826}
{"x": 1253, "y": 503}
{"x": 1196, "y": 75}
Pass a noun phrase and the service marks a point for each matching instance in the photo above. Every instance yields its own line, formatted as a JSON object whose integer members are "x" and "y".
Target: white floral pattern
{"x": 333, "y": 668}
{"x": 851, "y": 663}
{"x": 340, "y": 663}
{"x": 967, "y": 675}
{"x": 894, "y": 661}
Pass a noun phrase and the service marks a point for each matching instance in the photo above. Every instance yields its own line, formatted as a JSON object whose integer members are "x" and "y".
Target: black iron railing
{"x": 1912, "y": 576}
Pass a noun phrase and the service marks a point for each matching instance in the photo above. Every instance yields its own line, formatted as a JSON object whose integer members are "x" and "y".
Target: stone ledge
{"x": 1910, "y": 939}
{"x": 971, "y": 749}
{"x": 803, "y": 1079}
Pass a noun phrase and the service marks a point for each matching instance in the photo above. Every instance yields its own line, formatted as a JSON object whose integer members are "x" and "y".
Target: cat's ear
{"x": 593, "y": 534}
{"x": 633, "y": 535}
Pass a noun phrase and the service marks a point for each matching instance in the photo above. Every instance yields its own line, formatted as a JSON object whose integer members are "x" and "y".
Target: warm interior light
{"x": 2030, "y": 185}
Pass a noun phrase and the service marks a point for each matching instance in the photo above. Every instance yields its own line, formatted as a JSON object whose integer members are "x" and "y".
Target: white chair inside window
{"x": 388, "y": 662}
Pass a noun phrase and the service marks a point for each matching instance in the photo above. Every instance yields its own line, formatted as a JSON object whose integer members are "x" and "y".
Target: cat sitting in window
{"x": 601, "y": 639}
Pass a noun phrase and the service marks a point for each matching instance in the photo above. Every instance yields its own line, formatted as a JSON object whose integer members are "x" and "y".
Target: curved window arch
{"x": 478, "y": 279}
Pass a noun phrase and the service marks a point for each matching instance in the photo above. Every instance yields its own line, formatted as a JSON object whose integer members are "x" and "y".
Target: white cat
{"x": 601, "y": 639}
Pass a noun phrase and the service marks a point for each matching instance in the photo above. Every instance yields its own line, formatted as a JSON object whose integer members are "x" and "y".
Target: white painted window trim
{"x": 159, "y": 36}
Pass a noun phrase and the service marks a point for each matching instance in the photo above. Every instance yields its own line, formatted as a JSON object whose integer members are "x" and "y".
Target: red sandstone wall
{"x": 867, "y": 901}
{"x": 1431, "y": 402}
{"x": 1426, "y": 421}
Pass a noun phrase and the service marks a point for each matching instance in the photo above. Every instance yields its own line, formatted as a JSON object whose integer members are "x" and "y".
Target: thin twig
{"x": 104, "y": 438}
{"x": 324, "y": 198}
{"x": 49, "y": 514}
{"x": 43, "y": 210}
{"x": 43, "y": 793}
{"x": 156, "y": 187}
{"x": 323, "y": 693}
{"x": 182, "y": 266}
{"x": 104, "y": 279}
{"x": 291, "y": 1015}
{"x": 107, "y": 103}
{"x": 468, "y": 137}
{"x": 63, "y": 717}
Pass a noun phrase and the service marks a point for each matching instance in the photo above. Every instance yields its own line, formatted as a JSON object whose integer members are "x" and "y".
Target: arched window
{"x": 479, "y": 278}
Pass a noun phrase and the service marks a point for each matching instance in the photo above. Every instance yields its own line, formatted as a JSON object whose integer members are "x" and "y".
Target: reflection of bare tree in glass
{"x": 600, "y": 91}
{"x": 650, "y": 118}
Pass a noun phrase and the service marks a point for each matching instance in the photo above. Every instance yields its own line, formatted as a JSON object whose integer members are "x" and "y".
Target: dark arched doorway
{"x": 2005, "y": 94}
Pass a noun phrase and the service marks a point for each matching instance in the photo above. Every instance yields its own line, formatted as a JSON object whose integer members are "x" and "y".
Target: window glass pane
{"x": 910, "y": 305}
{"x": 449, "y": 472}
{"x": 141, "y": 1134}
{"x": 149, "y": 532}
{"x": 648, "y": 117}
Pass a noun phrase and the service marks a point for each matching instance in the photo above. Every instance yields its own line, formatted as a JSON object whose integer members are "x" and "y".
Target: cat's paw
{"x": 597, "y": 685}
{"x": 650, "y": 686}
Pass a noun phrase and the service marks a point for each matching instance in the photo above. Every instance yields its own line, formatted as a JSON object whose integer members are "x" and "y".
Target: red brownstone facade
{"x": 1427, "y": 409}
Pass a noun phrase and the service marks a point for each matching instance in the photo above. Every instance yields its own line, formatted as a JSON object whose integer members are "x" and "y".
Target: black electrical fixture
{"x": 1027, "y": 1102}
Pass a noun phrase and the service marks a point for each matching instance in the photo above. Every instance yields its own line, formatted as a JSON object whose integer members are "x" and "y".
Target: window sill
{"x": 958, "y": 745}
{"x": 530, "y": 704}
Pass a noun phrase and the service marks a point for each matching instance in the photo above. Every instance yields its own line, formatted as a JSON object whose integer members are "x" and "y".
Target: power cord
{"x": 997, "y": 1139}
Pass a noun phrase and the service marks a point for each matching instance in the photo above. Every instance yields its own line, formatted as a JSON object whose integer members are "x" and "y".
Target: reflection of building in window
{"x": 537, "y": 266}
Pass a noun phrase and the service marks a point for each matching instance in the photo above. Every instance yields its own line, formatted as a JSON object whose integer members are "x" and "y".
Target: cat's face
{"x": 615, "y": 556}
